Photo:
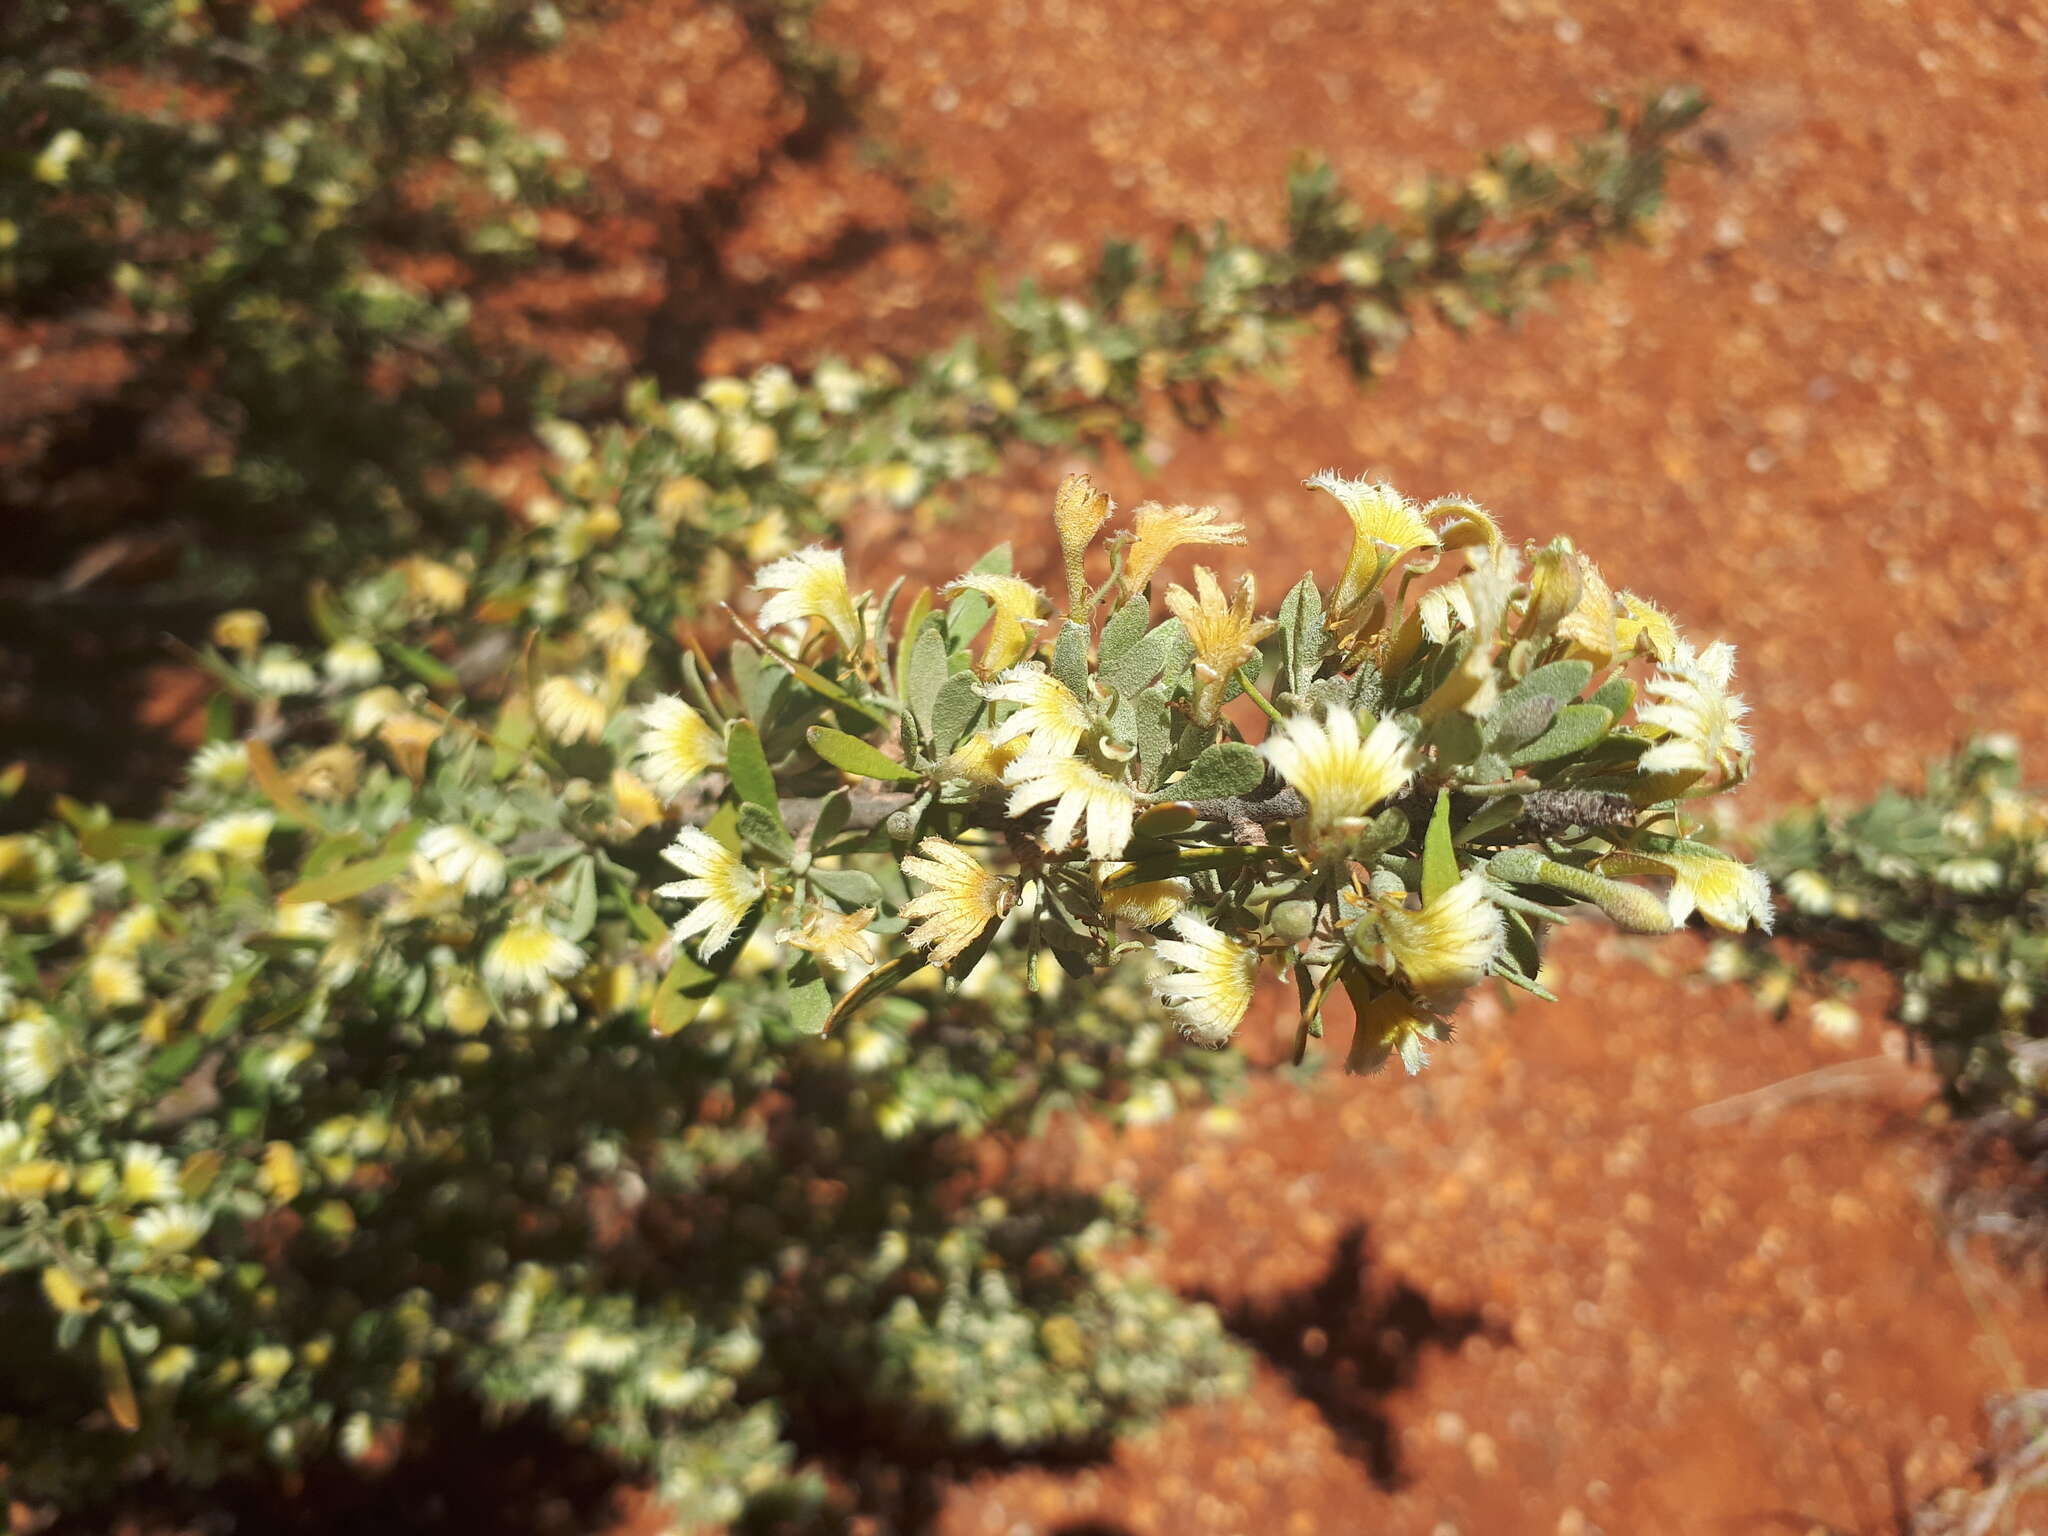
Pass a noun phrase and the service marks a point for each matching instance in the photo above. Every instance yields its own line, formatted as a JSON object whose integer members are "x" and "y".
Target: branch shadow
{"x": 1347, "y": 1345}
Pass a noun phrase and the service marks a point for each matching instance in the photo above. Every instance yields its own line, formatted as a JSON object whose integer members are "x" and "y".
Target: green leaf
{"x": 1227, "y": 768}
{"x": 1125, "y": 628}
{"x": 764, "y": 832}
{"x": 1561, "y": 680}
{"x": 1185, "y": 861}
{"x": 832, "y": 818}
{"x": 1576, "y": 727}
{"x": 884, "y": 978}
{"x": 851, "y": 888}
{"x": 1070, "y": 658}
{"x": 349, "y": 880}
{"x": 1439, "y": 859}
{"x": 929, "y": 667}
{"x": 810, "y": 1002}
{"x": 852, "y": 755}
{"x": 221, "y": 1010}
{"x": 748, "y": 764}
{"x": 1615, "y": 695}
{"x": 913, "y": 626}
{"x": 1154, "y": 733}
{"x": 681, "y": 995}
{"x": 1142, "y": 662}
{"x": 577, "y": 894}
{"x": 428, "y": 669}
{"x": 954, "y": 712}
{"x": 1303, "y": 639}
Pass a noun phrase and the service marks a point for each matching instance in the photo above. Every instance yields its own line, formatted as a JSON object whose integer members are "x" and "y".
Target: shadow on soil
{"x": 1347, "y": 1344}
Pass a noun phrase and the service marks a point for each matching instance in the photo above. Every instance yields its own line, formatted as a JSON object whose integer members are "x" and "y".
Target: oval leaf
{"x": 852, "y": 755}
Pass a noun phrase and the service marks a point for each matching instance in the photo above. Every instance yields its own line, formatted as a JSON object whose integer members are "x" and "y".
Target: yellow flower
{"x": 720, "y": 884}
{"x": 113, "y": 982}
{"x": 433, "y": 585}
{"x": 1161, "y": 530}
{"x": 527, "y": 956}
{"x": 1078, "y": 791}
{"x": 676, "y": 747}
{"x": 1393, "y": 1024}
{"x": 981, "y": 762}
{"x": 148, "y": 1176}
{"x": 281, "y": 1172}
{"x": 1016, "y": 612}
{"x": 1556, "y": 585}
{"x": 810, "y": 584}
{"x": 32, "y": 1053}
{"x": 1078, "y": 512}
{"x": 1225, "y": 635}
{"x": 68, "y": 908}
{"x": 408, "y": 738}
{"x": 838, "y": 939}
{"x": 1726, "y": 892}
{"x": 130, "y": 931}
{"x": 1461, "y": 524}
{"x": 465, "y": 1008}
{"x": 768, "y": 538}
{"x": 240, "y": 629}
{"x": 1644, "y": 626}
{"x": 1448, "y": 944}
{"x": 1210, "y": 988}
{"x": 1384, "y": 526}
{"x": 962, "y": 898}
{"x": 1047, "y": 713}
{"x": 331, "y": 772}
{"x": 1148, "y": 904}
{"x": 570, "y": 710}
{"x": 222, "y": 764}
{"x": 1342, "y": 778}
{"x": 1701, "y": 719}
{"x": 638, "y": 806}
{"x": 241, "y": 835}
{"x": 1591, "y": 627}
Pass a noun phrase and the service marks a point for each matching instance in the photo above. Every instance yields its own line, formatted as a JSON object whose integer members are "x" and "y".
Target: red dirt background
{"x": 1527, "y": 1291}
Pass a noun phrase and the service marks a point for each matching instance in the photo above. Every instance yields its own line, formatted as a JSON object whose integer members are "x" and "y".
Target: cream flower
{"x": 170, "y": 1229}
{"x": 434, "y": 585}
{"x": 1211, "y": 986}
{"x": 240, "y": 629}
{"x": 838, "y": 939}
{"x": 68, "y": 908}
{"x": 460, "y": 857}
{"x": 1225, "y": 635}
{"x": 352, "y": 663}
{"x": 676, "y": 747}
{"x": 241, "y": 835}
{"x": 223, "y": 764}
{"x": 810, "y": 584}
{"x": 570, "y": 710}
{"x": 148, "y": 1176}
{"x": 32, "y": 1055}
{"x": 1450, "y": 942}
{"x": 1342, "y": 778}
{"x": 1077, "y": 790}
{"x": 962, "y": 898}
{"x": 1161, "y": 530}
{"x": 527, "y": 957}
{"x": 1078, "y": 513}
{"x": 1726, "y": 892}
{"x": 1017, "y": 604}
{"x": 1148, "y": 904}
{"x": 1384, "y": 526}
{"x": 720, "y": 884}
{"x": 130, "y": 931}
{"x": 1701, "y": 719}
{"x": 1047, "y": 713}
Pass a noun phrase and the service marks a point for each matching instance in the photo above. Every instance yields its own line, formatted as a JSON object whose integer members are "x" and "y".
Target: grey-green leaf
{"x": 1227, "y": 768}
{"x": 1303, "y": 639}
{"x": 954, "y": 712}
{"x": 1070, "y": 658}
{"x": 1577, "y": 727}
{"x": 852, "y": 755}
{"x": 1126, "y": 627}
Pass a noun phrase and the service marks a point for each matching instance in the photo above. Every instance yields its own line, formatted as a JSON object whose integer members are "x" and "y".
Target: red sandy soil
{"x": 1528, "y": 1291}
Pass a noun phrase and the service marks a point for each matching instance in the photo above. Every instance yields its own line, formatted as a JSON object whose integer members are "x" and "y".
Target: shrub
{"x": 221, "y": 189}
{"x": 1947, "y": 890}
{"x": 333, "y": 1088}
